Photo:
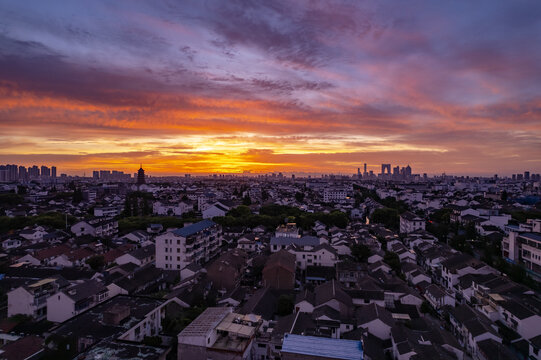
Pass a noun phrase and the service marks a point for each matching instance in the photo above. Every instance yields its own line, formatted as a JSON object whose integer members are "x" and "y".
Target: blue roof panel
{"x": 194, "y": 228}
{"x": 303, "y": 241}
{"x": 323, "y": 347}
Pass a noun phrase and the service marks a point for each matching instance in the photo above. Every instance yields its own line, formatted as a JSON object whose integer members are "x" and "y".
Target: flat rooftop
{"x": 206, "y": 322}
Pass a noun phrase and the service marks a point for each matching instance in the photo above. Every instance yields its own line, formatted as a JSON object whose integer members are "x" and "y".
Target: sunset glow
{"x": 303, "y": 86}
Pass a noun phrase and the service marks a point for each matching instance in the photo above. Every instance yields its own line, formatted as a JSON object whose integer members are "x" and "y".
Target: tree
{"x": 425, "y": 307}
{"x": 299, "y": 196}
{"x": 392, "y": 260}
{"x": 247, "y": 200}
{"x": 285, "y": 305}
{"x": 96, "y": 262}
{"x": 386, "y": 216}
{"x": 360, "y": 252}
{"x": 264, "y": 195}
{"x": 77, "y": 196}
{"x": 152, "y": 341}
{"x": 505, "y": 195}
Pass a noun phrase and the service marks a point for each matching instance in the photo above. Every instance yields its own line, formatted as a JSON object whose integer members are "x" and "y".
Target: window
{"x": 178, "y": 258}
{"x": 178, "y": 250}
{"x": 178, "y": 242}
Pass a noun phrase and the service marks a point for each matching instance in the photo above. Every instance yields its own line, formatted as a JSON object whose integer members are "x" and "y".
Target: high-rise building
{"x": 408, "y": 171}
{"x": 96, "y": 175}
{"x": 140, "y": 176}
{"x": 364, "y": 169}
{"x": 385, "y": 167}
{"x": 45, "y": 171}
{"x": 526, "y": 175}
{"x": 3, "y": 173}
{"x": 12, "y": 172}
{"x": 105, "y": 175}
{"x": 23, "y": 174}
{"x": 396, "y": 171}
{"x": 33, "y": 172}
{"x": 53, "y": 172}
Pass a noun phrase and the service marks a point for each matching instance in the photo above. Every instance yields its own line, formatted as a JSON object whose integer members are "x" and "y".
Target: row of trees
{"x": 271, "y": 216}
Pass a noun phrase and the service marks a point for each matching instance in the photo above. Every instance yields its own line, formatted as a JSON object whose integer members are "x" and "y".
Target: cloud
{"x": 296, "y": 82}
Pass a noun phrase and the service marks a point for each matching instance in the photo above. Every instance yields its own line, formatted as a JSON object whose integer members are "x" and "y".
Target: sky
{"x": 219, "y": 86}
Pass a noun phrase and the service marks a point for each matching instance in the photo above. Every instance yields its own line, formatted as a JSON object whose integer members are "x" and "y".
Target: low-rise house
{"x": 28, "y": 347}
{"x": 279, "y": 271}
{"x": 75, "y": 257}
{"x": 97, "y": 227}
{"x": 107, "y": 211}
{"x": 438, "y": 297}
{"x": 248, "y": 242}
{"x": 471, "y": 327}
{"x": 141, "y": 256}
{"x": 214, "y": 210}
{"x": 278, "y": 243}
{"x": 376, "y": 320}
{"x": 320, "y": 255}
{"x": 137, "y": 236}
{"x": 75, "y": 299}
{"x": 226, "y": 271}
{"x": 218, "y": 333}
{"x": 12, "y": 243}
{"x": 171, "y": 208}
{"x": 121, "y": 319}
{"x": 35, "y": 234}
{"x": 31, "y": 299}
{"x": 348, "y": 273}
{"x": 409, "y": 222}
{"x": 461, "y": 264}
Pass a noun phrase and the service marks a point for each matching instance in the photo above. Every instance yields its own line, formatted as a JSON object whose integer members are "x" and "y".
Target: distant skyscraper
{"x": 53, "y": 172}
{"x": 385, "y": 167}
{"x": 33, "y": 172}
{"x": 95, "y": 175}
{"x": 12, "y": 172}
{"x": 364, "y": 169}
{"x": 23, "y": 174}
{"x": 526, "y": 175}
{"x": 408, "y": 170}
{"x": 141, "y": 176}
{"x": 45, "y": 171}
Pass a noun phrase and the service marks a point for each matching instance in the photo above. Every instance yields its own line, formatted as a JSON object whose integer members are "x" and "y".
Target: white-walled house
{"x": 96, "y": 227}
{"x": 376, "y": 320}
{"x": 321, "y": 255}
{"x": 214, "y": 210}
{"x": 438, "y": 297}
{"x": 409, "y": 222}
{"x": 140, "y": 257}
{"x": 171, "y": 208}
{"x": 31, "y": 299}
{"x": 75, "y": 299}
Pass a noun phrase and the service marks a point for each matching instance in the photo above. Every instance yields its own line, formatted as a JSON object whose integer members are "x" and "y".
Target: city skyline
{"x": 14, "y": 172}
{"x": 293, "y": 88}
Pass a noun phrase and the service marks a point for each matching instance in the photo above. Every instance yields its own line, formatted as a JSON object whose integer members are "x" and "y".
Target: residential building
{"x": 96, "y": 227}
{"x": 75, "y": 299}
{"x": 31, "y": 299}
{"x": 279, "y": 271}
{"x": 219, "y": 334}
{"x": 409, "y": 222}
{"x": 198, "y": 242}
{"x": 523, "y": 248}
